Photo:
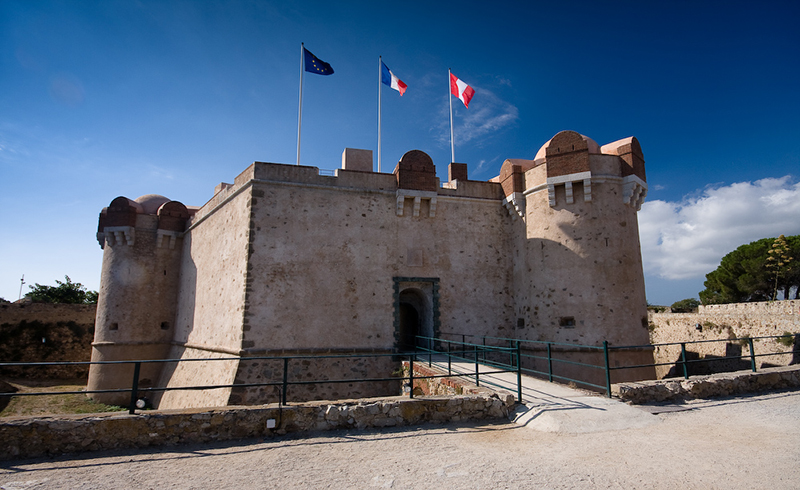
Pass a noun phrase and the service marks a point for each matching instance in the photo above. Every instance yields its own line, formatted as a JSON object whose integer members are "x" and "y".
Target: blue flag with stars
{"x": 316, "y": 65}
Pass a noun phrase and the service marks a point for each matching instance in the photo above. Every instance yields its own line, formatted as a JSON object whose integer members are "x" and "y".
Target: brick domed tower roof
{"x": 151, "y": 202}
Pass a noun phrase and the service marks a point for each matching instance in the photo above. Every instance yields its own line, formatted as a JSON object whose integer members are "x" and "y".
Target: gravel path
{"x": 743, "y": 442}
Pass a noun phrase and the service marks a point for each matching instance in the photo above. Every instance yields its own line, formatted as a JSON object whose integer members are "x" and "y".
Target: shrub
{"x": 688, "y": 305}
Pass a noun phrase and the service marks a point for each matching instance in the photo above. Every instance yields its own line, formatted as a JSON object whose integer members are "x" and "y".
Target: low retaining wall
{"x": 33, "y": 437}
{"x": 722, "y": 384}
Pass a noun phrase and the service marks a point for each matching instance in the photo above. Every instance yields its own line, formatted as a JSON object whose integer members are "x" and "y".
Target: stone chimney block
{"x": 360, "y": 160}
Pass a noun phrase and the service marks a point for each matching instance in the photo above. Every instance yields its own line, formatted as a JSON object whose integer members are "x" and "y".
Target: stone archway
{"x": 412, "y": 317}
{"x": 416, "y": 310}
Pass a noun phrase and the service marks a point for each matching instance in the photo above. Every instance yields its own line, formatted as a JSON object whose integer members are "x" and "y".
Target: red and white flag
{"x": 461, "y": 90}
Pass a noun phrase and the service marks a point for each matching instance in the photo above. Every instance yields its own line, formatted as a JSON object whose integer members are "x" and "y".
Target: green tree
{"x": 780, "y": 263}
{"x": 688, "y": 305}
{"x": 743, "y": 275}
{"x": 65, "y": 292}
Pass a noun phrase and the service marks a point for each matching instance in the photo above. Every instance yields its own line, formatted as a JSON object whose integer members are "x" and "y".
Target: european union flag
{"x": 316, "y": 65}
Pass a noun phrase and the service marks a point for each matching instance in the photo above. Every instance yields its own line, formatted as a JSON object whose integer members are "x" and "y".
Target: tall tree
{"x": 779, "y": 264}
{"x": 743, "y": 275}
{"x": 65, "y": 292}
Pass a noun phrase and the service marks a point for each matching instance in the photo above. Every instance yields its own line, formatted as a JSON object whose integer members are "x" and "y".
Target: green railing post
{"x": 683, "y": 361}
{"x": 449, "y": 358}
{"x": 608, "y": 368}
{"x": 752, "y": 354}
{"x": 134, "y": 388}
{"x": 477, "y": 370}
{"x": 285, "y": 379}
{"x": 549, "y": 363}
{"x": 483, "y": 351}
{"x": 511, "y": 353}
{"x": 519, "y": 374}
{"x": 411, "y": 377}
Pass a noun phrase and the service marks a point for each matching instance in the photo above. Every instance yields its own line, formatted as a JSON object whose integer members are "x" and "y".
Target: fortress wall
{"x": 224, "y": 194}
{"x": 722, "y": 322}
{"x": 472, "y": 255}
{"x": 339, "y": 368}
{"x": 197, "y": 373}
{"x": 320, "y": 269}
{"x": 476, "y": 189}
{"x": 324, "y": 260}
{"x": 212, "y": 278}
{"x": 39, "y": 332}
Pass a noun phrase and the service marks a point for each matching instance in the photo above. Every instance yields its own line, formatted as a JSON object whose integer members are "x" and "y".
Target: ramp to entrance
{"x": 553, "y": 407}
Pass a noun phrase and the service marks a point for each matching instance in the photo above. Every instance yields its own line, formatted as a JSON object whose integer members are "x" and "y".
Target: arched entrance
{"x": 416, "y": 310}
{"x": 412, "y": 313}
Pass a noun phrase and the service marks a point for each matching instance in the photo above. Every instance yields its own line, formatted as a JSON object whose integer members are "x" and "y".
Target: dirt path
{"x": 744, "y": 442}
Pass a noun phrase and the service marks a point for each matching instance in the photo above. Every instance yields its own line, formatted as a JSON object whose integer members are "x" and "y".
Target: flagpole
{"x": 450, "y": 98}
{"x": 300, "y": 106}
{"x": 380, "y": 73}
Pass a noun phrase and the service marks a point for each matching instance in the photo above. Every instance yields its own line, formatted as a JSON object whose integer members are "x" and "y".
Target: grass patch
{"x": 787, "y": 339}
{"x": 39, "y": 405}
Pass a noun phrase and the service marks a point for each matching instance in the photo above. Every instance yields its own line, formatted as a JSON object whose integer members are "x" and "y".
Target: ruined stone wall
{"x": 43, "y": 332}
{"x": 728, "y": 321}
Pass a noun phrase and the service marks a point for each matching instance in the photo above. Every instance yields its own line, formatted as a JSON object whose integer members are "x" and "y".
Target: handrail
{"x": 135, "y": 390}
{"x": 608, "y": 350}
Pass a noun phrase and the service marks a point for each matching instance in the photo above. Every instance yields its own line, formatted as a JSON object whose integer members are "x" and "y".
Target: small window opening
{"x": 164, "y": 325}
{"x": 520, "y": 323}
{"x": 114, "y": 326}
{"x": 567, "y": 322}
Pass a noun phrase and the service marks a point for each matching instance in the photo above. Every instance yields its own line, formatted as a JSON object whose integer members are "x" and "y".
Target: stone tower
{"x": 580, "y": 279}
{"x": 141, "y": 241}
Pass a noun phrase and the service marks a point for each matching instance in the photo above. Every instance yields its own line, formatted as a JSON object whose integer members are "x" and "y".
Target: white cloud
{"x": 683, "y": 240}
{"x": 488, "y": 114}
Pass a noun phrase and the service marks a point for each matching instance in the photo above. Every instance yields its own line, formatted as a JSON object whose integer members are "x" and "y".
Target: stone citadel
{"x": 286, "y": 261}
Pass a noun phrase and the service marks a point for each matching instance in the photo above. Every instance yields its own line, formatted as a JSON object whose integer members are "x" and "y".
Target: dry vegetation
{"x": 24, "y": 406}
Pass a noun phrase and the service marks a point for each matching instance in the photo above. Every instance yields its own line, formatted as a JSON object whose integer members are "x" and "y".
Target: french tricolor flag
{"x": 461, "y": 90}
{"x": 389, "y": 78}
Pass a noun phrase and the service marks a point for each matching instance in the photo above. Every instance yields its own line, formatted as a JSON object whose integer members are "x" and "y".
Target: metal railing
{"x": 548, "y": 357}
{"x": 507, "y": 358}
{"x": 136, "y": 391}
{"x": 685, "y": 361}
{"x": 475, "y": 354}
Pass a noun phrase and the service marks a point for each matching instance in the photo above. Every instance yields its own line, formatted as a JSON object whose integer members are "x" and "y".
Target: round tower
{"x": 141, "y": 241}
{"x": 582, "y": 280}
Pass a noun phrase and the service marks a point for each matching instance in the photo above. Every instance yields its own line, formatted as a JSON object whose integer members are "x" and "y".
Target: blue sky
{"x": 106, "y": 98}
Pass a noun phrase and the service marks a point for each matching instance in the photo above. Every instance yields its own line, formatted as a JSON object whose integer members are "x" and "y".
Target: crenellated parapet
{"x": 572, "y": 164}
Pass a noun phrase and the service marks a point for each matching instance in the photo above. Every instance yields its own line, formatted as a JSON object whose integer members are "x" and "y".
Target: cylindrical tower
{"x": 141, "y": 243}
{"x": 582, "y": 280}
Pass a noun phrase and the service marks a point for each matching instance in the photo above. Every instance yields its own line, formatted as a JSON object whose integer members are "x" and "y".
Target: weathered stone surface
{"x": 720, "y": 322}
{"x": 41, "y": 332}
{"x": 33, "y": 437}
{"x": 723, "y": 384}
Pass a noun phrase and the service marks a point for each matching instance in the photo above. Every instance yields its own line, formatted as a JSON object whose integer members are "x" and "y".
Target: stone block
{"x": 354, "y": 159}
